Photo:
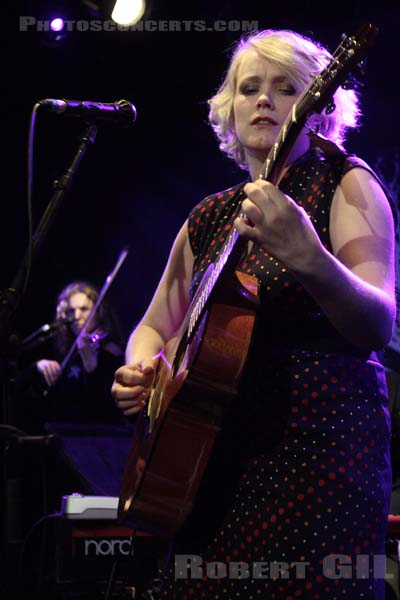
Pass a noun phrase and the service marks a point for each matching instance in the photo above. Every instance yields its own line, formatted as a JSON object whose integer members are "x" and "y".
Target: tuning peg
{"x": 362, "y": 65}
{"x": 351, "y": 83}
{"x": 330, "y": 107}
{"x": 348, "y": 84}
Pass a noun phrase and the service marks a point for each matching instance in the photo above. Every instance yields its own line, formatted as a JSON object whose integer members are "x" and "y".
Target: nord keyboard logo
{"x": 107, "y": 547}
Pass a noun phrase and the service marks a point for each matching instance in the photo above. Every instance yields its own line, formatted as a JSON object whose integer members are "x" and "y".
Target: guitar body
{"x": 174, "y": 437}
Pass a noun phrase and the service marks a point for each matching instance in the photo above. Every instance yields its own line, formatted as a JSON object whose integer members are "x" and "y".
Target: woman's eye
{"x": 287, "y": 90}
{"x": 248, "y": 89}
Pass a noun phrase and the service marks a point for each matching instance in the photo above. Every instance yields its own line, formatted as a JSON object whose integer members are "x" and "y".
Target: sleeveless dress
{"x": 295, "y": 499}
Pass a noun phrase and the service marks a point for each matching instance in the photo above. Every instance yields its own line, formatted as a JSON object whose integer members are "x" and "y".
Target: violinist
{"x": 79, "y": 391}
{"x": 71, "y": 400}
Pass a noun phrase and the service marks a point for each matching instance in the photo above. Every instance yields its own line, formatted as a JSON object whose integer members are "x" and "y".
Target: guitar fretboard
{"x": 209, "y": 280}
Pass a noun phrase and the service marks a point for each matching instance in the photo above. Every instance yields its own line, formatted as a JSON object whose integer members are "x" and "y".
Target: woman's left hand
{"x": 275, "y": 222}
{"x": 88, "y": 351}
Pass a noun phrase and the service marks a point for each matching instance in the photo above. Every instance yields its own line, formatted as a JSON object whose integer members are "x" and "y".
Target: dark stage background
{"x": 135, "y": 186}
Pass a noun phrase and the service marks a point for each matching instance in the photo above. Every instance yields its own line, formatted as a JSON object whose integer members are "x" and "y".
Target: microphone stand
{"x": 10, "y": 299}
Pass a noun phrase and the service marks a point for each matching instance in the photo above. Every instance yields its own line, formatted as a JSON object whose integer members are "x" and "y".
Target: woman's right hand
{"x": 132, "y": 386}
{"x": 50, "y": 369}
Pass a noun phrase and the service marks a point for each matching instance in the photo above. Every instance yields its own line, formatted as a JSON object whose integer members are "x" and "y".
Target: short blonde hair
{"x": 301, "y": 59}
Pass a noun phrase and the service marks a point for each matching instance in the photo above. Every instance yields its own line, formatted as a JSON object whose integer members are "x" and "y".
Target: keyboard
{"x": 78, "y": 506}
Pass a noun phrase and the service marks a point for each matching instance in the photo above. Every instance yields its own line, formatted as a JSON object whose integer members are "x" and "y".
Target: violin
{"x": 93, "y": 339}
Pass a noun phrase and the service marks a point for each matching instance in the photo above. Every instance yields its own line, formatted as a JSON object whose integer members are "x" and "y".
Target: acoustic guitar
{"x": 200, "y": 368}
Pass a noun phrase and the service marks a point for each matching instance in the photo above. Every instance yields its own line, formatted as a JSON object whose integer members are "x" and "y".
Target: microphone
{"x": 121, "y": 112}
{"x": 38, "y": 336}
{"x": 55, "y": 324}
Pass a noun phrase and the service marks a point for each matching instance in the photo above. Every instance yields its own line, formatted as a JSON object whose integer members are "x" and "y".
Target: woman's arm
{"x": 162, "y": 319}
{"x": 354, "y": 286}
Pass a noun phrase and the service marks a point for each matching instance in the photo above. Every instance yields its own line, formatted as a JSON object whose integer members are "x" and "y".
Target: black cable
{"x": 29, "y": 193}
{"x": 113, "y": 572}
{"x": 20, "y": 570}
{"x": 111, "y": 579}
{"x": 44, "y": 537}
{"x": 11, "y": 432}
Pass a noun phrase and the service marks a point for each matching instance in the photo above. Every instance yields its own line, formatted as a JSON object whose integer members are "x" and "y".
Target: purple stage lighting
{"x": 57, "y": 24}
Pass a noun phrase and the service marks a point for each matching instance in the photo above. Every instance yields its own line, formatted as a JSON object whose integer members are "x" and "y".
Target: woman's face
{"x": 79, "y": 308}
{"x": 263, "y": 98}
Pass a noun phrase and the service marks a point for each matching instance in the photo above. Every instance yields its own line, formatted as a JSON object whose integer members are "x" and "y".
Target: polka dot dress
{"x": 295, "y": 498}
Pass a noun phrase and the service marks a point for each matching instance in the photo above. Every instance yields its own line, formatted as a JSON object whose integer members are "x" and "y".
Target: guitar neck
{"x": 228, "y": 258}
{"x": 279, "y": 153}
{"x": 234, "y": 245}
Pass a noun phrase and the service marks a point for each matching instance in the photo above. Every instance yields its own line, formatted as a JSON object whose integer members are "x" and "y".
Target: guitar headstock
{"x": 349, "y": 54}
{"x": 319, "y": 95}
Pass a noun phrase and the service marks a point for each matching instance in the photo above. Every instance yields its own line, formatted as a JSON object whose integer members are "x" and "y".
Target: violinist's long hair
{"x": 105, "y": 316}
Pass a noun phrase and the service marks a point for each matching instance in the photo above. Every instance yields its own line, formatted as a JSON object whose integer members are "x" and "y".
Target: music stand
{"x": 97, "y": 453}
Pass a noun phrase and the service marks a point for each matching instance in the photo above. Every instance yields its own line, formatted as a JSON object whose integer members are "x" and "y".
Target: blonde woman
{"x": 300, "y": 474}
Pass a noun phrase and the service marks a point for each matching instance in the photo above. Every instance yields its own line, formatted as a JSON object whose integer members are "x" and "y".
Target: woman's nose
{"x": 264, "y": 100}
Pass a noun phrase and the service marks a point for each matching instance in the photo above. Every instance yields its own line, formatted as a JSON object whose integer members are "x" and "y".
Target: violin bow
{"x": 110, "y": 278}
